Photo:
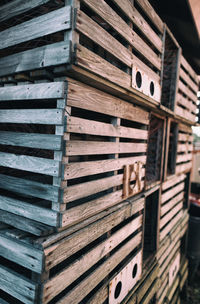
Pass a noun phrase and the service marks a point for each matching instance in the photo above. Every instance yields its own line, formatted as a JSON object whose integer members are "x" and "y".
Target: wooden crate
{"x": 74, "y": 265}
{"x": 123, "y": 46}
{"x": 68, "y": 152}
{"x": 188, "y": 85}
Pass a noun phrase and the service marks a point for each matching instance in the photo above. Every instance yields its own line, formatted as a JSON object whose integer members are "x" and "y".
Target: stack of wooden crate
{"x": 96, "y": 108}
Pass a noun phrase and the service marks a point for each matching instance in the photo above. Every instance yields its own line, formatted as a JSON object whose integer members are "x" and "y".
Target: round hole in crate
{"x": 138, "y": 79}
{"x": 134, "y": 272}
{"x": 152, "y": 88}
{"x": 118, "y": 289}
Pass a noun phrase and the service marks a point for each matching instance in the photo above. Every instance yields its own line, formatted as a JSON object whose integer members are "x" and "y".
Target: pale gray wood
{"x": 17, "y": 285}
{"x": 17, "y": 7}
{"x": 50, "y": 90}
{"x": 31, "y": 140}
{"x": 43, "y": 215}
{"x": 30, "y": 188}
{"x": 52, "y": 22}
{"x": 21, "y": 253}
{"x": 45, "y": 56}
{"x": 26, "y": 224}
{"x": 32, "y": 116}
{"x": 30, "y": 163}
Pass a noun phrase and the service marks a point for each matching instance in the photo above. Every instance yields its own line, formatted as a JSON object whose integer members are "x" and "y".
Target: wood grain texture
{"x": 17, "y": 286}
{"x": 38, "y": 116}
{"x": 52, "y": 22}
{"x": 29, "y": 211}
{"x": 50, "y": 90}
{"x": 18, "y": 7}
{"x": 41, "y": 57}
{"x": 29, "y": 188}
{"x": 30, "y": 163}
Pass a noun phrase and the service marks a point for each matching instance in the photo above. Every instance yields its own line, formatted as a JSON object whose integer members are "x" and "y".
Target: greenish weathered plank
{"x": 21, "y": 208}
{"x": 29, "y": 163}
{"x": 17, "y": 286}
{"x": 45, "y": 56}
{"x": 29, "y": 188}
{"x": 31, "y": 140}
{"x": 25, "y": 224}
{"x": 38, "y": 116}
{"x": 50, "y": 90}
{"x": 18, "y": 7}
{"x": 3, "y": 302}
{"x": 52, "y": 22}
{"x": 21, "y": 253}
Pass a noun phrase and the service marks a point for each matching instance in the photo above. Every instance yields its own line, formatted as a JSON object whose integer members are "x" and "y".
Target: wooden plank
{"x": 173, "y": 181}
{"x": 50, "y": 90}
{"x": 188, "y": 80}
{"x": 185, "y": 137}
{"x": 171, "y": 204}
{"x": 18, "y": 7}
{"x": 41, "y": 57}
{"x": 31, "y": 140}
{"x": 183, "y": 167}
{"x": 81, "y": 265}
{"x": 92, "y": 280}
{"x": 67, "y": 246}
{"x": 184, "y": 148}
{"x": 114, "y": 20}
{"x": 189, "y": 69}
{"x": 172, "y": 192}
{"x": 172, "y": 223}
{"x": 185, "y": 128}
{"x": 140, "y": 22}
{"x": 185, "y": 113}
{"x": 85, "y": 126}
{"x": 141, "y": 294}
{"x": 30, "y": 188}
{"x": 17, "y": 286}
{"x": 92, "y": 62}
{"x": 184, "y": 158}
{"x": 44, "y": 25}
{"x": 94, "y": 147}
{"x": 30, "y": 163}
{"x": 33, "y": 116}
{"x": 88, "y": 98}
{"x": 29, "y": 211}
{"x": 25, "y": 224}
{"x": 80, "y": 169}
{"x": 150, "y": 12}
{"x": 21, "y": 254}
{"x": 170, "y": 214}
{"x": 88, "y": 188}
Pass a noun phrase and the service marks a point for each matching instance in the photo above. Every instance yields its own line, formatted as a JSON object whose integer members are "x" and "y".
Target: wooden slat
{"x": 21, "y": 254}
{"x": 36, "y": 116}
{"x": 188, "y": 80}
{"x": 30, "y": 211}
{"x": 185, "y": 128}
{"x": 17, "y": 286}
{"x": 80, "y": 266}
{"x": 184, "y": 148}
{"x": 88, "y": 188}
{"x": 90, "y": 282}
{"x": 41, "y": 57}
{"x": 95, "y": 147}
{"x": 172, "y": 223}
{"x": 85, "y": 126}
{"x": 189, "y": 69}
{"x": 52, "y": 22}
{"x": 185, "y": 114}
{"x": 88, "y": 98}
{"x": 184, "y": 158}
{"x": 30, "y": 188}
{"x": 172, "y": 192}
{"x": 183, "y": 167}
{"x": 170, "y": 214}
{"x": 140, "y": 22}
{"x": 173, "y": 181}
{"x": 114, "y": 20}
{"x": 79, "y": 169}
{"x": 50, "y": 90}
{"x": 18, "y": 7}
{"x": 29, "y": 163}
{"x": 31, "y": 140}
{"x": 171, "y": 204}
{"x": 185, "y": 137}
{"x": 25, "y": 224}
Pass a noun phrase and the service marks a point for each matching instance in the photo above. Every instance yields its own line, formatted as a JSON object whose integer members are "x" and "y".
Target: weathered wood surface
{"x": 30, "y": 188}
{"x": 31, "y": 140}
{"x": 17, "y": 286}
{"x": 18, "y": 7}
{"x": 29, "y": 211}
{"x": 50, "y": 90}
{"x": 30, "y": 163}
{"x": 36, "y": 116}
{"x": 52, "y": 22}
{"x": 20, "y": 253}
{"x": 41, "y": 57}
